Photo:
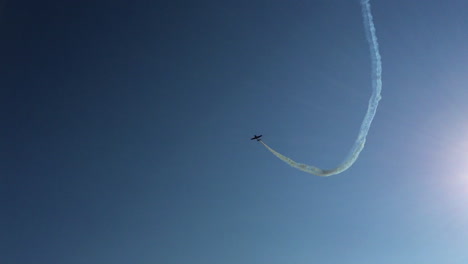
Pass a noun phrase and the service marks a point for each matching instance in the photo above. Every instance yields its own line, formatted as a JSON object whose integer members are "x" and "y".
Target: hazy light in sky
{"x": 371, "y": 110}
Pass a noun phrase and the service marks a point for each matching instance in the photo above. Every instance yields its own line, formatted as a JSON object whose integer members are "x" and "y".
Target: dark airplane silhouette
{"x": 258, "y": 138}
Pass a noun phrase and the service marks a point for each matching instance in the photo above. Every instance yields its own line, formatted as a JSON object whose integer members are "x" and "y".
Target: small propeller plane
{"x": 258, "y": 138}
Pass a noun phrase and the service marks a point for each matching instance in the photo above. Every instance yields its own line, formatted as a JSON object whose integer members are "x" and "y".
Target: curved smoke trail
{"x": 371, "y": 110}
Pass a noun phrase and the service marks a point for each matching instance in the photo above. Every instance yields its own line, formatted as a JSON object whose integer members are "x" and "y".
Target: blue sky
{"x": 127, "y": 132}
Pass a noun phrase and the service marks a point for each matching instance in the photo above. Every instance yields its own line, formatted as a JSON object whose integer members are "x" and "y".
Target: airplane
{"x": 258, "y": 138}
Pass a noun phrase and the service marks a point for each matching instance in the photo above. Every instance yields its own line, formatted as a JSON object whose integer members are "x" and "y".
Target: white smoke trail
{"x": 371, "y": 109}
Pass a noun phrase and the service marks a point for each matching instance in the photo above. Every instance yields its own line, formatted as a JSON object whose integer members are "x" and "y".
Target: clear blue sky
{"x": 126, "y": 132}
